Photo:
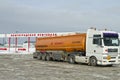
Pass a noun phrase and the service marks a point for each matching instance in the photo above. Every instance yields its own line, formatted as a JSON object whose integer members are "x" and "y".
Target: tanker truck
{"x": 95, "y": 47}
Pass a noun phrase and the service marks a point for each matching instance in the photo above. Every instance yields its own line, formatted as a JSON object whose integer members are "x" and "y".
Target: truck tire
{"x": 44, "y": 57}
{"x": 39, "y": 56}
{"x": 34, "y": 55}
{"x": 71, "y": 59}
{"x": 93, "y": 61}
{"x": 48, "y": 57}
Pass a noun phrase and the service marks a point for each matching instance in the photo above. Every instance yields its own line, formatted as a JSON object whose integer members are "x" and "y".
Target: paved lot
{"x": 24, "y": 67}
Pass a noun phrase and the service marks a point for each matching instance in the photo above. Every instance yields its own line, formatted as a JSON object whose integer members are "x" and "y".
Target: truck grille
{"x": 113, "y": 57}
{"x": 111, "y": 61}
{"x": 112, "y": 50}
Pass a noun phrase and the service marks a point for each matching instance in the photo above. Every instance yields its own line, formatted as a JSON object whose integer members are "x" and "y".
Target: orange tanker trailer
{"x": 60, "y": 47}
{"x": 68, "y": 43}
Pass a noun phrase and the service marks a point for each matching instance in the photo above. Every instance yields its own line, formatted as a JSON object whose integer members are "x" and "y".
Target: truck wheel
{"x": 39, "y": 56}
{"x": 71, "y": 59}
{"x": 48, "y": 57}
{"x": 34, "y": 55}
{"x": 93, "y": 61}
{"x": 44, "y": 57}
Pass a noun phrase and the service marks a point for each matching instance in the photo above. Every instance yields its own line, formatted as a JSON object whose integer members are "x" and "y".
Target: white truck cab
{"x": 102, "y": 47}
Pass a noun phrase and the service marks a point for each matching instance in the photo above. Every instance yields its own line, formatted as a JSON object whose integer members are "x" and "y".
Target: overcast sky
{"x": 58, "y": 15}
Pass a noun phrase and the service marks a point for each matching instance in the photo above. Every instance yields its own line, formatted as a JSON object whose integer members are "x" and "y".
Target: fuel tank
{"x": 67, "y": 43}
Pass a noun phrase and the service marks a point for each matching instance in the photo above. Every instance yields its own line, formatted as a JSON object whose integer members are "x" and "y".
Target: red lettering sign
{"x": 3, "y": 48}
{"x": 21, "y": 49}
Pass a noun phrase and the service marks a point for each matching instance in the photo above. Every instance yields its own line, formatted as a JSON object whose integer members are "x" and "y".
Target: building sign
{"x": 35, "y": 34}
{"x": 29, "y": 35}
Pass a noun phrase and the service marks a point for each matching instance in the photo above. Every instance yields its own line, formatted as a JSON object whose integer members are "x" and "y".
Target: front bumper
{"x": 112, "y": 61}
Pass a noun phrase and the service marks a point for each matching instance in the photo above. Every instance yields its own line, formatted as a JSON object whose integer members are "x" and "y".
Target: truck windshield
{"x": 109, "y": 41}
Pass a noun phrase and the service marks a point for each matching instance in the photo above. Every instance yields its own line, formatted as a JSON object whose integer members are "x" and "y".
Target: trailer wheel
{"x": 34, "y": 55}
{"x": 39, "y": 56}
{"x": 44, "y": 57}
{"x": 48, "y": 57}
{"x": 71, "y": 59}
{"x": 93, "y": 61}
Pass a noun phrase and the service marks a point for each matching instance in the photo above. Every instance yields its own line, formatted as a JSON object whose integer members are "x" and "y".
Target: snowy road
{"x": 24, "y": 67}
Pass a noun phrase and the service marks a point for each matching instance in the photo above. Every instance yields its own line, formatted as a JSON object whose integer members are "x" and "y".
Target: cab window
{"x": 97, "y": 39}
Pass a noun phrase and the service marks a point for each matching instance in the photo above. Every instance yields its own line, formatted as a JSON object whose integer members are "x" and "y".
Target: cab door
{"x": 97, "y": 47}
